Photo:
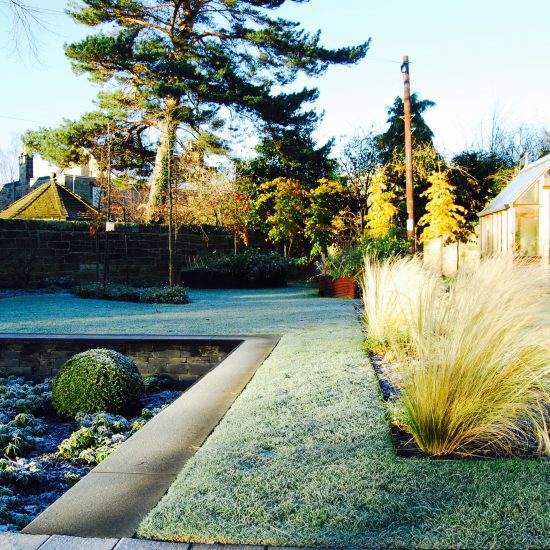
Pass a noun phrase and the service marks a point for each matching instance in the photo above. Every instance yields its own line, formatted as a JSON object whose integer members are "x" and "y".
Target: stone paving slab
{"x": 17, "y": 541}
{"x": 141, "y": 544}
{"x": 62, "y": 542}
{"x": 106, "y": 505}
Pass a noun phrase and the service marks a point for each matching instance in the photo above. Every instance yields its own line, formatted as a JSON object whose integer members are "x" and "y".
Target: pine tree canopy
{"x": 180, "y": 61}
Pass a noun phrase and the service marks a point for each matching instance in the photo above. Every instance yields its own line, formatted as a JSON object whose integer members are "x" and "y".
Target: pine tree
{"x": 443, "y": 217}
{"x": 180, "y": 62}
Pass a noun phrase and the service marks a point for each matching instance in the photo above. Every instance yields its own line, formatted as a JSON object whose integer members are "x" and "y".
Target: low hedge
{"x": 124, "y": 293}
{"x": 250, "y": 269}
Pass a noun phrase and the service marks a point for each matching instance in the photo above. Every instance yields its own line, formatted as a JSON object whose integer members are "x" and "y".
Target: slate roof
{"x": 50, "y": 201}
{"x": 517, "y": 186}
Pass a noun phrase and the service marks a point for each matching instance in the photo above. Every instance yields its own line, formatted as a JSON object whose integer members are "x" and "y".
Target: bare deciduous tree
{"x": 27, "y": 21}
{"x": 511, "y": 142}
{"x": 8, "y": 160}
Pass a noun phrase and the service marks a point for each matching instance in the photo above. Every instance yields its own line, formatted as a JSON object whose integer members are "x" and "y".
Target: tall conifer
{"x": 179, "y": 62}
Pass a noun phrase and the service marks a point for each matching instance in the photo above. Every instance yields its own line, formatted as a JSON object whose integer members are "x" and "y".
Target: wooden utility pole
{"x": 108, "y": 216}
{"x": 408, "y": 148}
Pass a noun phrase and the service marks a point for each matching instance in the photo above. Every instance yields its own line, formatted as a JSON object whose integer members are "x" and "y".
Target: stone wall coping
{"x": 199, "y": 339}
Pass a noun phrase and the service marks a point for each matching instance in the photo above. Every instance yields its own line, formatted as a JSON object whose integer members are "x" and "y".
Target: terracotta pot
{"x": 326, "y": 288}
{"x": 343, "y": 287}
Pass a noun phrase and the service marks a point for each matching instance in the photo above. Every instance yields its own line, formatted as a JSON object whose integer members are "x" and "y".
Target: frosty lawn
{"x": 304, "y": 456}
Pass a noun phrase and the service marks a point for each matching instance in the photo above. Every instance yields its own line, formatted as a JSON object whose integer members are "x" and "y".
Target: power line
{"x": 383, "y": 59}
{"x": 23, "y": 119}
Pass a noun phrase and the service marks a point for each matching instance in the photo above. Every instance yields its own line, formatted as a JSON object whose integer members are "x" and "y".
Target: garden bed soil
{"x": 405, "y": 444}
{"x": 34, "y": 498}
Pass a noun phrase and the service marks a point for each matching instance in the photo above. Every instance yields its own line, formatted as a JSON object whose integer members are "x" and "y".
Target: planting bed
{"x": 406, "y": 446}
{"x": 41, "y": 477}
{"x": 33, "y": 478}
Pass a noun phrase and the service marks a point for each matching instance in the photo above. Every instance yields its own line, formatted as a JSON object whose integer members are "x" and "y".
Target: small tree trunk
{"x": 159, "y": 181}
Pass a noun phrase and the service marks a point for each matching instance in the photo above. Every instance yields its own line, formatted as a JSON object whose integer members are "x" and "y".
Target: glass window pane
{"x": 527, "y": 230}
{"x": 531, "y": 196}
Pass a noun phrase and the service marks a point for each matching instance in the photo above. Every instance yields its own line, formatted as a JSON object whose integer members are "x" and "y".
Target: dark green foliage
{"x": 345, "y": 263}
{"x": 375, "y": 346}
{"x": 250, "y": 269}
{"x": 385, "y": 247}
{"x": 19, "y": 435}
{"x": 71, "y": 479}
{"x": 9, "y": 519}
{"x": 124, "y": 293}
{"x": 97, "y": 380}
{"x": 349, "y": 261}
{"x": 290, "y": 154}
{"x": 255, "y": 266}
{"x": 74, "y": 141}
{"x": 20, "y": 472}
{"x": 394, "y": 137}
{"x": 164, "y": 295}
{"x": 156, "y": 383}
{"x": 181, "y": 63}
{"x": 475, "y": 176}
{"x": 57, "y": 283}
{"x": 99, "y": 435}
{"x": 20, "y": 395}
{"x": 391, "y": 146}
{"x": 94, "y": 440}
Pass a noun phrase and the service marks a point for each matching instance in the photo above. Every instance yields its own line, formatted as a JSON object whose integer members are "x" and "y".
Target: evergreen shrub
{"x": 97, "y": 380}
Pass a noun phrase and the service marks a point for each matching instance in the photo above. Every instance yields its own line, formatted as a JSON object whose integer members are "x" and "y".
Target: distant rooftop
{"x": 50, "y": 201}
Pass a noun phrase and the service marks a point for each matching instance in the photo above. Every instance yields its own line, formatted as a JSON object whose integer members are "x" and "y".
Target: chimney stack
{"x": 25, "y": 173}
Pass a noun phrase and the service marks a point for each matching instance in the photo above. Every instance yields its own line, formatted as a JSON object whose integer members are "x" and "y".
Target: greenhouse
{"x": 518, "y": 219}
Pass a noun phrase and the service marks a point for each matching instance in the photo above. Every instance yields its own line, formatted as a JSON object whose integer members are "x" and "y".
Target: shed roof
{"x": 517, "y": 186}
{"x": 50, "y": 202}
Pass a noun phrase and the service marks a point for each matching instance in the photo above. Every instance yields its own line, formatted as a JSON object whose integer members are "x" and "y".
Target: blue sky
{"x": 471, "y": 57}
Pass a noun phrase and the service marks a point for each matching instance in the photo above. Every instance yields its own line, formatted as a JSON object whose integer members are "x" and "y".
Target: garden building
{"x": 518, "y": 218}
{"x": 50, "y": 201}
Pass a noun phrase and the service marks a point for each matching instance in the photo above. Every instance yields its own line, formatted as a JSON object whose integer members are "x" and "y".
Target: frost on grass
{"x": 304, "y": 457}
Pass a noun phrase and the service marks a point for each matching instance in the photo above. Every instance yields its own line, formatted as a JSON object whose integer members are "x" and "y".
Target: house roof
{"x": 517, "y": 186}
{"x": 40, "y": 181}
{"x": 50, "y": 201}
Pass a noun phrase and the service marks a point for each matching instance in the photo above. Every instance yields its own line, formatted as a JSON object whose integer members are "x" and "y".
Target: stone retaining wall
{"x": 32, "y": 251}
{"x": 185, "y": 360}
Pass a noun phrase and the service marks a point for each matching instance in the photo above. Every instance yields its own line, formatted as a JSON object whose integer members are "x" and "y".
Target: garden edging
{"x": 111, "y": 500}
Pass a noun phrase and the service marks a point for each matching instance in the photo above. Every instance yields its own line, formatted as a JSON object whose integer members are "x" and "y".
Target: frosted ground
{"x": 304, "y": 456}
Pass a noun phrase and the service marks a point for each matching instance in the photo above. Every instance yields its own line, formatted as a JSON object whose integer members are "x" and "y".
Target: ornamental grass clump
{"x": 97, "y": 380}
{"x": 391, "y": 291}
{"x": 477, "y": 379}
